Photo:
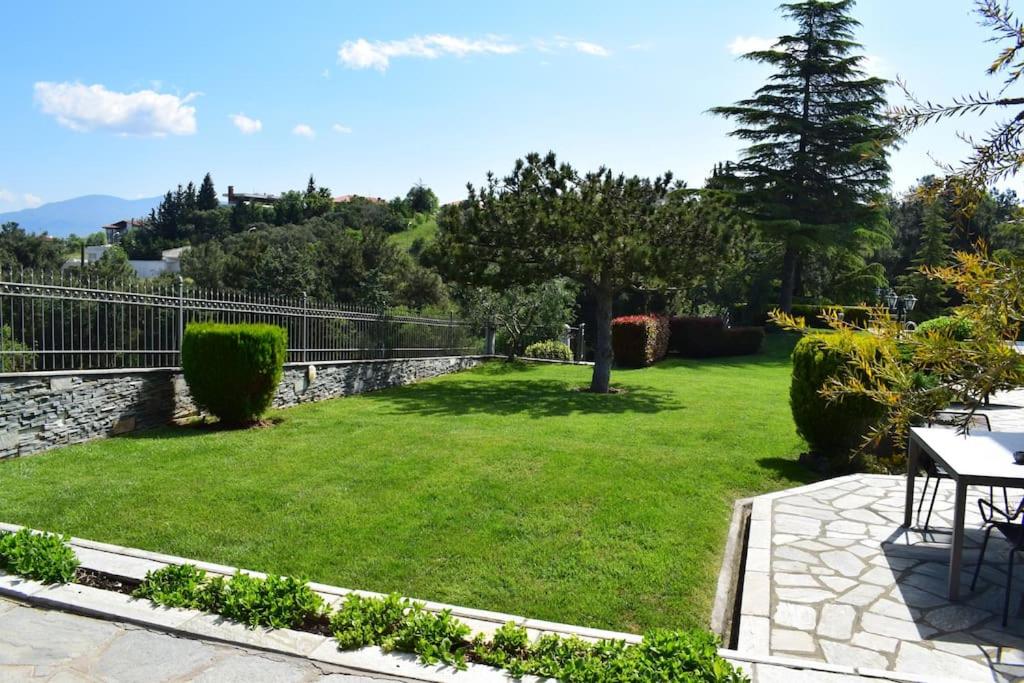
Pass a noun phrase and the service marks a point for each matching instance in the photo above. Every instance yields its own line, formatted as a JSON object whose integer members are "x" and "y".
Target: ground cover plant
{"x": 498, "y": 488}
{"x": 43, "y": 557}
{"x": 396, "y": 623}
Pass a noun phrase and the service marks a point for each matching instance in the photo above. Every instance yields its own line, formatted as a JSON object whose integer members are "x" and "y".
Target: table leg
{"x": 956, "y": 548}
{"x": 913, "y": 452}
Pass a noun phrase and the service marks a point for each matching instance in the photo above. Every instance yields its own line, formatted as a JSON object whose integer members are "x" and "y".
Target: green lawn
{"x": 499, "y": 488}
{"x": 422, "y": 226}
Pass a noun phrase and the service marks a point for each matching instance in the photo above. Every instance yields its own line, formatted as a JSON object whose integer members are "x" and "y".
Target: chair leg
{"x": 935, "y": 492}
{"x": 924, "y": 493}
{"x": 1009, "y": 583}
{"x": 981, "y": 557}
{"x": 1006, "y": 501}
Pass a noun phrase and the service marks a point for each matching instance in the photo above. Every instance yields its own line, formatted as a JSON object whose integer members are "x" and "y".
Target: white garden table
{"x": 982, "y": 458}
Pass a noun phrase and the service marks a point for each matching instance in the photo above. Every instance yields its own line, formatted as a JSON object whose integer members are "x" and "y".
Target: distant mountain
{"x": 81, "y": 215}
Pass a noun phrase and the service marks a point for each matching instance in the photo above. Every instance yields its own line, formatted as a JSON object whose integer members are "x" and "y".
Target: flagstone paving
{"x": 831, "y": 576}
{"x": 41, "y": 644}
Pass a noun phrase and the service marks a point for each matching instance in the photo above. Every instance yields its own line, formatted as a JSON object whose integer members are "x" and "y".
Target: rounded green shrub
{"x": 233, "y": 370}
{"x": 830, "y": 428}
{"x": 549, "y": 350}
{"x": 959, "y": 329}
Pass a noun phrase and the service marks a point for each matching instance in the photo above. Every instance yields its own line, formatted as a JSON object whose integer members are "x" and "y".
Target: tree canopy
{"x": 606, "y": 232}
{"x": 816, "y": 160}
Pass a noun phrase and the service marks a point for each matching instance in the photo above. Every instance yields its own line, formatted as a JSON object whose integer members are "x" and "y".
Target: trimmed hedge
{"x": 960, "y": 329}
{"x": 812, "y": 314}
{"x": 708, "y": 338}
{"x": 830, "y": 428}
{"x": 548, "y": 350}
{"x": 639, "y": 340}
{"x": 696, "y": 337}
{"x": 233, "y": 370}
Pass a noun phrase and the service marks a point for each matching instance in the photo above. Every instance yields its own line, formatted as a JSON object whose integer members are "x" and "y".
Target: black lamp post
{"x": 900, "y": 306}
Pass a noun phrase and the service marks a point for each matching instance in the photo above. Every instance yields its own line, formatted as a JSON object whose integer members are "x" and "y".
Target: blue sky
{"x": 132, "y": 98}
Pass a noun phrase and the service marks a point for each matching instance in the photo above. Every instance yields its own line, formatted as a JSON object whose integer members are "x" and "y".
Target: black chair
{"x": 1009, "y": 527}
{"x": 949, "y": 419}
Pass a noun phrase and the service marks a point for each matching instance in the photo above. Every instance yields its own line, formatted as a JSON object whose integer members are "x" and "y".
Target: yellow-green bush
{"x": 233, "y": 370}
{"x": 830, "y": 428}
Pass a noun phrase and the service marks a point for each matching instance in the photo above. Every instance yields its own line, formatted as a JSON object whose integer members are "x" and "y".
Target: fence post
{"x": 581, "y": 351}
{"x": 489, "y": 339}
{"x": 181, "y": 315}
{"x": 451, "y": 333}
{"x": 305, "y": 326}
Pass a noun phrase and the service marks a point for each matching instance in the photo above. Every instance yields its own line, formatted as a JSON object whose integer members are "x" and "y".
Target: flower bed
{"x": 391, "y": 622}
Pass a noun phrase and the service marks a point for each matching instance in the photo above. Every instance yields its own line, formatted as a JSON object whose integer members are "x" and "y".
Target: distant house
{"x": 169, "y": 262}
{"x": 249, "y": 198}
{"x": 116, "y": 230}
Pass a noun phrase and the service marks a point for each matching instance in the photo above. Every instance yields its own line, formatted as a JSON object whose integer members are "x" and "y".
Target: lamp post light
{"x": 900, "y": 306}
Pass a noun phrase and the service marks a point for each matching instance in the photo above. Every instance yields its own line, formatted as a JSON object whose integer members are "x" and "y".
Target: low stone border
{"x": 134, "y": 563}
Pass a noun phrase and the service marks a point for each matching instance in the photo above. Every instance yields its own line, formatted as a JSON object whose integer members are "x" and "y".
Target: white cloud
{"x": 741, "y": 45}
{"x": 247, "y": 125}
{"x": 304, "y": 130}
{"x": 363, "y": 54}
{"x": 338, "y": 128}
{"x": 588, "y": 48}
{"x": 13, "y": 201}
{"x": 92, "y": 107}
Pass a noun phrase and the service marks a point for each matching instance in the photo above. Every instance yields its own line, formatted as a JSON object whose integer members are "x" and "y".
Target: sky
{"x": 130, "y": 99}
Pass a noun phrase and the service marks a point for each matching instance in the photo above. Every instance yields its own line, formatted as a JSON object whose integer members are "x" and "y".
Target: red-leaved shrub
{"x": 639, "y": 340}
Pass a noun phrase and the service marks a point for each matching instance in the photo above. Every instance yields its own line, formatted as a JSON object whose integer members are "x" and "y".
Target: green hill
{"x": 421, "y": 226}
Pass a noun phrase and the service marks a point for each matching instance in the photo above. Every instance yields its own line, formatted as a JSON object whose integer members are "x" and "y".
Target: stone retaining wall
{"x": 39, "y": 411}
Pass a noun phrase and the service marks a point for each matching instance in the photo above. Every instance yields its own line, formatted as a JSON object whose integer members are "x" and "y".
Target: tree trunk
{"x": 602, "y": 376}
{"x": 789, "y": 260}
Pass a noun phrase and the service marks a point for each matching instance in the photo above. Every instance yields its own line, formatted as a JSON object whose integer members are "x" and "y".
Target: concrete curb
{"x": 134, "y": 563}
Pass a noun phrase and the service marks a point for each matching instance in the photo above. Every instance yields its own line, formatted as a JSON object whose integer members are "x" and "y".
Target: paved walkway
{"x": 45, "y": 645}
{"x": 831, "y": 576}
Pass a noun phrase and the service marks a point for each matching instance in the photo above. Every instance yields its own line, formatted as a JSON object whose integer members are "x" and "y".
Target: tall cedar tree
{"x": 932, "y": 252}
{"x": 817, "y": 160}
{"x": 207, "y": 198}
{"x": 609, "y": 233}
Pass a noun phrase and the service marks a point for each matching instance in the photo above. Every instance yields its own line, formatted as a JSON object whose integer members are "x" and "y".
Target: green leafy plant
{"x": 549, "y": 350}
{"x": 394, "y": 623}
{"x": 274, "y": 601}
{"x": 176, "y": 585}
{"x": 42, "y": 557}
{"x": 360, "y": 621}
{"x": 233, "y": 370}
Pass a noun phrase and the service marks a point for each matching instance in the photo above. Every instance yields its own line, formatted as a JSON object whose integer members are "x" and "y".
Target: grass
{"x": 421, "y": 226}
{"x": 498, "y": 488}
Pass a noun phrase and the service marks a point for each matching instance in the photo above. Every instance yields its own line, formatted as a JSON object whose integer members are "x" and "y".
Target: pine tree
{"x": 816, "y": 160}
{"x": 311, "y": 186}
{"x": 207, "y": 198}
{"x": 933, "y": 252}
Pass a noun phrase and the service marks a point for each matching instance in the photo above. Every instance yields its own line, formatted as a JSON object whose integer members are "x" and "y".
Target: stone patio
{"x": 831, "y": 576}
{"x": 46, "y": 645}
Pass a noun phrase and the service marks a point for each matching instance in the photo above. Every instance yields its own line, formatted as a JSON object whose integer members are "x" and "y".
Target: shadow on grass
{"x": 534, "y": 398}
{"x": 789, "y": 468}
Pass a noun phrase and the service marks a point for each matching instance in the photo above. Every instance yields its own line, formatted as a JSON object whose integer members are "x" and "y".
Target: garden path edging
{"x": 134, "y": 563}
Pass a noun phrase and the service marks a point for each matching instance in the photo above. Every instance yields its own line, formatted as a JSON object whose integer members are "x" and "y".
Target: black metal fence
{"x": 61, "y": 321}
